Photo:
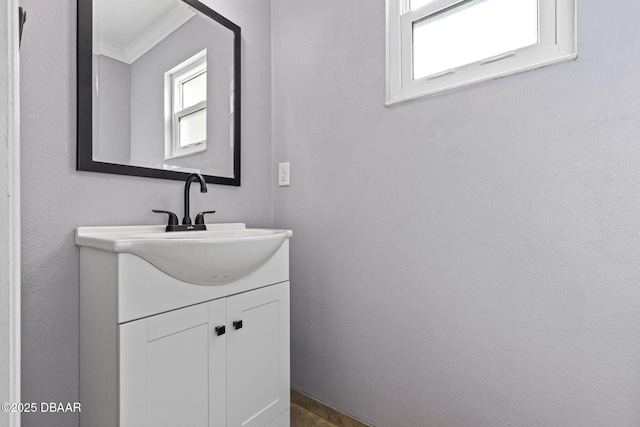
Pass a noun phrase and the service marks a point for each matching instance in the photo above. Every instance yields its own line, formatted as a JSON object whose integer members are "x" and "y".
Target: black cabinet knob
{"x": 237, "y": 324}
{"x": 220, "y": 330}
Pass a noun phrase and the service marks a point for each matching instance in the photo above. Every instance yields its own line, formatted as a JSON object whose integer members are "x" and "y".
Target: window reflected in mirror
{"x": 186, "y": 107}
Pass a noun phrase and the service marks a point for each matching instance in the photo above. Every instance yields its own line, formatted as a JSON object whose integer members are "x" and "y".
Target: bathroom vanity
{"x": 185, "y": 328}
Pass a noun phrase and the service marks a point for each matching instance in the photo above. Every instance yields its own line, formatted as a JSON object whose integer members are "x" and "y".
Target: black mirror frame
{"x": 85, "y": 160}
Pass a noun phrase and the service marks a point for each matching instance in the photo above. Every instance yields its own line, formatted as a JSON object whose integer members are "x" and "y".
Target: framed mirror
{"x": 158, "y": 90}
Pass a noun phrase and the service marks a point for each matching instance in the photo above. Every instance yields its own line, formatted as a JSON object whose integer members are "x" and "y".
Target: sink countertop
{"x": 105, "y": 237}
{"x": 221, "y": 254}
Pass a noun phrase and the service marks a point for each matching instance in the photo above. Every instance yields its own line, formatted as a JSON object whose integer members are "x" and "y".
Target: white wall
{"x": 57, "y": 198}
{"x": 471, "y": 259}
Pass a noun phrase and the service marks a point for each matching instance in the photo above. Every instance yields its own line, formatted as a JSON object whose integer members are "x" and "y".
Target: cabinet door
{"x": 165, "y": 375}
{"x": 258, "y": 356}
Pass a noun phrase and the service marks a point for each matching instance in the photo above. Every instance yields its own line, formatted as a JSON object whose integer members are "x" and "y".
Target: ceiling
{"x": 126, "y": 29}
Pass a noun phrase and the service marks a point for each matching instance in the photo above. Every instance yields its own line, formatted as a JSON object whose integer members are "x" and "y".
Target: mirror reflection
{"x": 163, "y": 89}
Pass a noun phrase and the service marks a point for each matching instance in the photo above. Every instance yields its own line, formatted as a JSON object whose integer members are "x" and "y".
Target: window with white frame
{"x": 439, "y": 45}
{"x": 186, "y": 107}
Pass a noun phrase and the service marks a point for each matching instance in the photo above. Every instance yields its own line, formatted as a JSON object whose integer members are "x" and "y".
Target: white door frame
{"x": 10, "y": 212}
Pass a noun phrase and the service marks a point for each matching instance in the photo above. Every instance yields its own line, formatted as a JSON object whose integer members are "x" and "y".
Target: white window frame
{"x": 173, "y": 80}
{"x": 557, "y": 43}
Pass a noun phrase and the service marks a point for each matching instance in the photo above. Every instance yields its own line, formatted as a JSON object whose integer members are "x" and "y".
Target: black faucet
{"x": 203, "y": 189}
{"x": 186, "y": 221}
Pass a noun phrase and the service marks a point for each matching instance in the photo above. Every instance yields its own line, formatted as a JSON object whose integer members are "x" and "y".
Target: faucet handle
{"x": 200, "y": 216}
{"x": 173, "y": 218}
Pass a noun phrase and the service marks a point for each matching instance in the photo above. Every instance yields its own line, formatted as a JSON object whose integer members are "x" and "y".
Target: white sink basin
{"x": 221, "y": 254}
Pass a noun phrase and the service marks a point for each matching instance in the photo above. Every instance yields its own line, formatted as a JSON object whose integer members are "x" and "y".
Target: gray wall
{"x": 467, "y": 259}
{"x": 112, "y": 141}
{"x": 56, "y": 198}
{"x": 470, "y": 259}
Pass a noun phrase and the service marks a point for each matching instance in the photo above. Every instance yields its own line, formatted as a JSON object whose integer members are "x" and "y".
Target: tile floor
{"x": 300, "y": 417}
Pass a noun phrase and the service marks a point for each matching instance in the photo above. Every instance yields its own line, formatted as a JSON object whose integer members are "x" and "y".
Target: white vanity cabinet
{"x": 157, "y": 351}
{"x": 175, "y": 370}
